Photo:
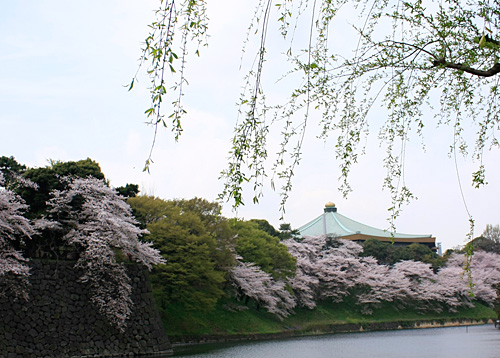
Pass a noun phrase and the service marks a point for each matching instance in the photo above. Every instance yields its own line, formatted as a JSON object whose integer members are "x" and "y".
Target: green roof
{"x": 332, "y": 223}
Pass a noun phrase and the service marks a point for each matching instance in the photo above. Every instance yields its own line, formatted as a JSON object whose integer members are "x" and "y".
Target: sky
{"x": 64, "y": 68}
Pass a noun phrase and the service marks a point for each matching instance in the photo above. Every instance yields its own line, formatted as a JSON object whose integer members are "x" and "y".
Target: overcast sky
{"x": 63, "y": 67}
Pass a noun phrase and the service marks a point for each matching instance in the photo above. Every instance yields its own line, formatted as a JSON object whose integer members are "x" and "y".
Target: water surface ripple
{"x": 451, "y": 342}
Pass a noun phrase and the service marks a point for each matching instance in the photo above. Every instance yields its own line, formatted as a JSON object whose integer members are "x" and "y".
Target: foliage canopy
{"x": 257, "y": 246}
{"x": 196, "y": 245}
{"x": 410, "y": 57}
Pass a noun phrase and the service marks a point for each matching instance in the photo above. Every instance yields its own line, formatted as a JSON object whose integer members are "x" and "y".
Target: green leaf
{"x": 482, "y": 42}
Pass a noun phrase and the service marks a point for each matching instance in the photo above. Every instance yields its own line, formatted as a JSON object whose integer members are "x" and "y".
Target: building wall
{"x": 60, "y": 321}
{"x": 430, "y": 242}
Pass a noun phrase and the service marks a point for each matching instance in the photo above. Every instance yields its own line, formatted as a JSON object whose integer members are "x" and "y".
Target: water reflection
{"x": 453, "y": 342}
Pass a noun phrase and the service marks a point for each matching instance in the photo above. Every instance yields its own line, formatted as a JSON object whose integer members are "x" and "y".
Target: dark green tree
{"x": 255, "y": 245}
{"x": 217, "y": 226}
{"x": 148, "y": 209}
{"x": 286, "y": 232}
{"x": 264, "y": 225}
{"x": 48, "y": 243}
{"x": 49, "y": 178}
{"x": 418, "y": 252}
{"x": 387, "y": 253}
{"x": 9, "y": 168}
{"x": 484, "y": 244}
{"x": 189, "y": 277}
{"x": 128, "y": 191}
{"x": 197, "y": 245}
{"x": 382, "y": 251}
{"x": 411, "y": 252}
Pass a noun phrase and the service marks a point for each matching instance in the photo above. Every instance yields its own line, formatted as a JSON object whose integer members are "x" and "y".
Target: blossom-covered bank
{"x": 332, "y": 270}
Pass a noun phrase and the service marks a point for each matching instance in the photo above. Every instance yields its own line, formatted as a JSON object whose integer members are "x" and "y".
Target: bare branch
{"x": 461, "y": 67}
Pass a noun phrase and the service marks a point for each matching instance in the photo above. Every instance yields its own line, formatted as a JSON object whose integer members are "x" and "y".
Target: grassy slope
{"x": 221, "y": 321}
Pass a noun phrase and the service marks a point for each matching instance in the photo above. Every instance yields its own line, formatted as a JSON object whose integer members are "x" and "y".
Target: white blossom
{"x": 14, "y": 227}
{"x": 484, "y": 271}
{"x": 258, "y": 285}
{"x": 332, "y": 270}
{"x": 98, "y": 223}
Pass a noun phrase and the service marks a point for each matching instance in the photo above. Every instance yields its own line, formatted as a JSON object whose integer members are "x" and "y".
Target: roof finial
{"x": 330, "y": 207}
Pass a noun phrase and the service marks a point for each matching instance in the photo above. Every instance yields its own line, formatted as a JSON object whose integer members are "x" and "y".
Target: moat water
{"x": 452, "y": 342}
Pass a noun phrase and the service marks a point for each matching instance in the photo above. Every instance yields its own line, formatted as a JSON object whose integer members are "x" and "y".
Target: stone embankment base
{"x": 178, "y": 341}
{"x": 60, "y": 321}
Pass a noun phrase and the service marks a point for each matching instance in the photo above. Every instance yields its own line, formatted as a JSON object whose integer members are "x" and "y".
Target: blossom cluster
{"x": 14, "y": 229}
{"x": 330, "y": 269}
{"x": 93, "y": 222}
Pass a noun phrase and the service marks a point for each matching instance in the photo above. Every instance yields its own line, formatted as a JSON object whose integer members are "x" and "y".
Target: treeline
{"x": 68, "y": 211}
{"x": 201, "y": 258}
{"x": 211, "y": 258}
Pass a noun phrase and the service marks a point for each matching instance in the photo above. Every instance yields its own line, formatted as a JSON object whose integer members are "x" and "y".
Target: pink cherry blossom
{"x": 97, "y": 222}
{"x": 250, "y": 281}
{"x": 14, "y": 227}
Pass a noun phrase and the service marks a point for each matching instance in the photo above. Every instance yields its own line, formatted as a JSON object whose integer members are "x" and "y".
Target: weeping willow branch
{"x": 408, "y": 59}
{"x": 164, "y": 53}
{"x": 442, "y": 63}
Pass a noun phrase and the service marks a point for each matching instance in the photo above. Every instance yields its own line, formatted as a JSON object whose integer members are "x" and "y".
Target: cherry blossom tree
{"x": 413, "y": 284}
{"x": 416, "y": 273}
{"x": 486, "y": 275}
{"x": 378, "y": 284}
{"x": 305, "y": 283}
{"x": 251, "y": 282}
{"x": 485, "y": 272}
{"x": 330, "y": 269}
{"x": 327, "y": 268}
{"x": 98, "y": 226}
{"x": 453, "y": 287}
{"x": 339, "y": 269}
{"x": 14, "y": 229}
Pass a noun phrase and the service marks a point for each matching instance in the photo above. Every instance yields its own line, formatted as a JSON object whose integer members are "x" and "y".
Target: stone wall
{"x": 59, "y": 320}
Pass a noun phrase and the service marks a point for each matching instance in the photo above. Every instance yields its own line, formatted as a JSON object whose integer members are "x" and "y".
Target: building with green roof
{"x": 333, "y": 224}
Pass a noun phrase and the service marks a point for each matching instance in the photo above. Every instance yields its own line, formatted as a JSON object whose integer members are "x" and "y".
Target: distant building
{"x": 439, "y": 249}
{"x": 333, "y": 224}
